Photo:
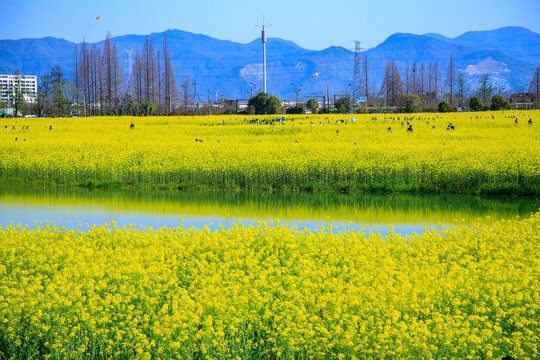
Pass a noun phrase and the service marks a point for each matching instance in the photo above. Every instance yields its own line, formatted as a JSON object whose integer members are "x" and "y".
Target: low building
{"x": 10, "y": 85}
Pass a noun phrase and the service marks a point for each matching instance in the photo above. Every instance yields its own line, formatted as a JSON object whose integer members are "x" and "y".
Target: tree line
{"x": 100, "y": 85}
{"x": 423, "y": 86}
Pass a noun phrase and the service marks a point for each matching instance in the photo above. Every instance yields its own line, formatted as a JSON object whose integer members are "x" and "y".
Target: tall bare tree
{"x": 149, "y": 71}
{"x": 407, "y": 78}
{"x": 117, "y": 78}
{"x": 436, "y": 76}
{"x": 84, "y": 74}
{"x": 392, "y": 85}
{"x": 16, "y": 92}
{"x": 186, "y": 89}
{"x": 414, "y": 85}
{"x": 76, "y": 72}
{"x": 461, "y": 90}
{"x": 170, "y": 90}
{"x": 159, "y": 81}
{"x": 137, "y": 76}
{"x": 97, "y": 71}
{"x": 429, "y": 77}
{"x": 422, "y": 82}
{"x": 534, "y": 88}
{"x": 450, "y": 79}
{"x": 107, "y": 70}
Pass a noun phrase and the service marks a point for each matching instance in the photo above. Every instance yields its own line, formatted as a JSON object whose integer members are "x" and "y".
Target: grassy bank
{"x": 364, "y": 208}
{"x": 502, "y": 189}
{"x": 486, "y": 154}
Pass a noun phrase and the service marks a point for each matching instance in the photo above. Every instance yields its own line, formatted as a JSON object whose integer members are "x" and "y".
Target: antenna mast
{"x": 263, "y": 39}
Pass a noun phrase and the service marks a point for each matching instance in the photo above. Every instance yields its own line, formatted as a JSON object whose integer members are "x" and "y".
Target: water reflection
{"x": 408, "y": 213}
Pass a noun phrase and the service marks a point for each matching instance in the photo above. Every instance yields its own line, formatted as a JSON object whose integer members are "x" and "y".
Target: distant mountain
{"x": 515, "y": 41}
{"x": 234, "y": 70}
{"x": 438, "y": 37}
{"x": 35, "y": 56}
{"x": 505, "y": 71}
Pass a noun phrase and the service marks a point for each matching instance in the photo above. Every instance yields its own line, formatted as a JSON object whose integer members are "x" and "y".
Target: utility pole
{"x": 263, "y": 39}
{"x": 194, "y": 83}
{"x": 84, "y": 99}
{"x": 185, "y": 86}
{"x": 365, "y": 75}
{"x": 327, "y": 97}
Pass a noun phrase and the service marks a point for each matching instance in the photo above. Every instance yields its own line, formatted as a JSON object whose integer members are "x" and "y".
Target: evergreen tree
{"x": 499, "y": 103}
{"x": 475, "y": 104}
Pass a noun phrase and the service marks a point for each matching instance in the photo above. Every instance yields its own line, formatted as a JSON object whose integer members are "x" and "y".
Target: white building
{"x": 26, "y": 85}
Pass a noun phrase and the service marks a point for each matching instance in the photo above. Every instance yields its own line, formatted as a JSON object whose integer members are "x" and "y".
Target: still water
{"x": 404, "y": 213}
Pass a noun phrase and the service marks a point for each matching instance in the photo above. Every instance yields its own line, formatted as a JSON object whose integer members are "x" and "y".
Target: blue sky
{"x": 312, "y": 24}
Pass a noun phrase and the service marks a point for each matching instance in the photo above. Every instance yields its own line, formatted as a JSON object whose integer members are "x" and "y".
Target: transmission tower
{"x": 129, "y": 54}
{"x": 357, "y": 72}
{"x": 263, "y": 39}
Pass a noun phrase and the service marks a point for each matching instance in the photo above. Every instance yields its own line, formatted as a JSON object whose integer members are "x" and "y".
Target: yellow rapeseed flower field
{"x": 262, "y": 292}
{"x": 486, "y": 153}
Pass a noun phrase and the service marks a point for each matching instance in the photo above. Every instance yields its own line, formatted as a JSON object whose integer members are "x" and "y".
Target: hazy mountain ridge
{"x": 225, "y": 67}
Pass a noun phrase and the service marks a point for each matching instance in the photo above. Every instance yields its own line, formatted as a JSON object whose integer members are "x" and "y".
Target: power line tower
{"x": 357, "y": 72}
{"x": 129, "y": 53}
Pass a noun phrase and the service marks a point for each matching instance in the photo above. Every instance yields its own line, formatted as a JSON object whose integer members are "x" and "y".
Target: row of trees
{"x": 99, "y": 81}
{"x": 475, "y": 104}
{"x": 423, "y": 81}
{"x": 421, "y": 89}
{"x": 425, "y": 86}
{"x": 264, "y": 104}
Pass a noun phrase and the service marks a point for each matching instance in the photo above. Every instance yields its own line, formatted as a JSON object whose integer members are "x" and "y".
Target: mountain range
{"x": 234, "y": 70}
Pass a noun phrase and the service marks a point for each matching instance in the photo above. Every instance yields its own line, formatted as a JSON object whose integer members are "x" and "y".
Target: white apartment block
{"x": 26, "y": 85}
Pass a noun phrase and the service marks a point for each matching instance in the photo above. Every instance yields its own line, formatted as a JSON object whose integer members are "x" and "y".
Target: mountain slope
{"x": 473, "y": 62}
{"x": 234, "y": 70}
{"x": 514, "y": 41}
{"x": 35, "y": 56}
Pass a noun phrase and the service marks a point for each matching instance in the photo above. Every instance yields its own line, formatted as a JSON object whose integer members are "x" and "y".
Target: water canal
{"x": 404, "y": 213}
